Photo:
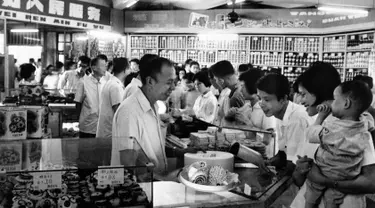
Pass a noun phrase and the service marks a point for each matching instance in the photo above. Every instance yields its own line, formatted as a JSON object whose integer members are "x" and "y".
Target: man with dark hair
{"x": 87, "y": 98}
{"x": 136, "y": 82}
{"x": 251, "y": 113}
{"x": 69, "y": 79}
{"x": 111, "y": 96}
{"x": 138, "y": 118}
{"x": 244, "y": 68}
{"x": 194, "y": 67}
{"x": 291, "y": 119}
{"x": 103, "y": 57}
{"x": 70, "y": 66}
{"x": 134, "y": 65}
{"x": 231, "y": 95}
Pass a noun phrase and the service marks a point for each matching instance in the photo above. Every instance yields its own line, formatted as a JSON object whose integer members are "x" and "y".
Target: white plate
{"x": 203, "y": 188}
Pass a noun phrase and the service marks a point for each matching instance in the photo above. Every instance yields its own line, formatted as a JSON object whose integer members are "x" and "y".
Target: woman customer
{"x": 316, "y": 87}
{"x": 206, "y": 104}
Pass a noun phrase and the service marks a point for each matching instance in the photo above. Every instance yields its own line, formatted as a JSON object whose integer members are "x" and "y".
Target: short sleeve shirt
{"x": 112, "y": 94}
{"x": 205, "y": 107}
{"x": 137, "y": 119}
{"x": 88, "y": 93}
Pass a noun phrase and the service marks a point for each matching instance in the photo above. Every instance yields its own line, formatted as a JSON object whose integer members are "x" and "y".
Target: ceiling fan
{"x": 234, "y": 16}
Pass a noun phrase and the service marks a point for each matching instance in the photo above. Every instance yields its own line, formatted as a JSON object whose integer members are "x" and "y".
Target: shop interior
{"x": 47, "y": 160}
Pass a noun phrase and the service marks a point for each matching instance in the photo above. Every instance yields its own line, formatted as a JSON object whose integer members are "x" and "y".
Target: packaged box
{"x": 13, "y": 123}
{"x": 35, "y": 121}
{"x": 11, "y": 156}
{"x": 31, "y": 94}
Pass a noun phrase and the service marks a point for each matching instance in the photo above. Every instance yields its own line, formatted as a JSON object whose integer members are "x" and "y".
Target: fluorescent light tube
{"x": 131, "y": 3}
{"x": 24, "y": 30}
{"x": 332, "y": 9}
{"x": 237, "y": 1}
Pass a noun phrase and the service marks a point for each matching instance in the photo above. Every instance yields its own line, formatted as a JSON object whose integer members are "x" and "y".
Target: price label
{"x": 276, "y": 39}
{"x": 365, "y": 36}
{"x": 113, "y": 176}
{"x": 289, "y": 39}
{"x": 47, "y": 180}
{"x": 352, "y": 37}
{"x": 255, "y": 38}
{"x": 300, "y": 54}
{"x": 290, "y": 54}
{"x": 311, "y": 39}
{"x": 266, "y": 38}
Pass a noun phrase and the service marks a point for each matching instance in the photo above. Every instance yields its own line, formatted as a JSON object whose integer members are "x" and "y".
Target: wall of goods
{"x": 350, "y": 53}
{"x": 79, "y": 44}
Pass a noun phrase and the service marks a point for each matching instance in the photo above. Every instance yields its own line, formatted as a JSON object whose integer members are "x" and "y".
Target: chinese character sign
{"x": 56, "y": 7}
{"x": 76, "y": 10}
{"x": 67, "y": 9}
{"x": 12, "y": 4}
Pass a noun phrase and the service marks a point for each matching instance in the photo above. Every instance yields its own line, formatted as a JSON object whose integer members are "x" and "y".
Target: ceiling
{"x": 222, "y": 4}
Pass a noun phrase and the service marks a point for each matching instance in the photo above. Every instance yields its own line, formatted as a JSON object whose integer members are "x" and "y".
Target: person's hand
{"x": 304, "y": 164}
{"x": 317, "y": 177}
{"x": 176, "y": 112}
{"x": 231, "y": 113}
{"x": 241, "y": 117}
{"x": 324, "y": 109}
{"x": 166, "y": 118}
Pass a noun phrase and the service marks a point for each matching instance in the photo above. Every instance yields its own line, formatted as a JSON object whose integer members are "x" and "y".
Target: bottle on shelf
{"x": 360, "y": 41}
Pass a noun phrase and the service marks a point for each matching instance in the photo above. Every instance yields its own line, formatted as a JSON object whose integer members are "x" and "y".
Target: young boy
{"x": 342, "y": 141}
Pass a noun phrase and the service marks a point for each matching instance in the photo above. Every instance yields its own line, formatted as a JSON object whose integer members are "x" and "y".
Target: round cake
{"x": 212, "y": 158}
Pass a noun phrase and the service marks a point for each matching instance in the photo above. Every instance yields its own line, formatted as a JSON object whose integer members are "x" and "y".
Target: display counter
{"x": 173, "y": 194}
{"x": 72, "y": 173}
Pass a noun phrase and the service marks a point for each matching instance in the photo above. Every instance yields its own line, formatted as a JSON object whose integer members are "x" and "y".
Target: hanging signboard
{"x": 67, "y": 13}
{"x": 248, "y": 18}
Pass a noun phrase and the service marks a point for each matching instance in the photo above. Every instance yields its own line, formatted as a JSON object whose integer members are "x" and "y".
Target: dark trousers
{"x": 86, "y": 135}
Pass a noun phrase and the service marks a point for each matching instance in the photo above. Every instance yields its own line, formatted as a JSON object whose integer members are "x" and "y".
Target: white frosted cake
{"x": 212, "y": 158}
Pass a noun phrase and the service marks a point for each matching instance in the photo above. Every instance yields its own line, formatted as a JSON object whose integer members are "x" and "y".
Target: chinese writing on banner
{"x": 64, "y": 12}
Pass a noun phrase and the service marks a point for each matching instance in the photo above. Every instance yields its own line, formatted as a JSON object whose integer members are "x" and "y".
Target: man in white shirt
{"x": 291, "y": 119}
{"x": 137, "y": 115}
{"x": 87, "y": 98}
{"x": 230, "y": 96}
{"x": 69, "y": 80}
{"x": 111, "y": 97}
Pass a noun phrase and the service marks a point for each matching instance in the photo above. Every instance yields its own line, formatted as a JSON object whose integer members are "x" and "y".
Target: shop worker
{"x": 137, "y": 115}
{"x": 111, "y": 96}
{"x": 69, "y": 79}
{"x": 136, "y": 82}
{"x": 292, "y": 119}
{"x": 88, "y": 98}
{"x": 230, "y": 96}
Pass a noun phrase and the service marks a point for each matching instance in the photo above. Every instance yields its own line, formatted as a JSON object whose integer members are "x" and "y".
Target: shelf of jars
{"x": 291, "y": 53}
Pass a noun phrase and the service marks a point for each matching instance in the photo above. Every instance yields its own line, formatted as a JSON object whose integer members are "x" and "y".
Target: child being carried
{"x": 342, "y": 141}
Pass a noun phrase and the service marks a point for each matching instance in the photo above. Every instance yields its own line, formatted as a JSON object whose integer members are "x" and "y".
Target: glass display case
{"x": 73, "y": 173}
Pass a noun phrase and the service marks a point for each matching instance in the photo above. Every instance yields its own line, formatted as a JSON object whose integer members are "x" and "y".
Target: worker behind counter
{"x": 137, "y": 116}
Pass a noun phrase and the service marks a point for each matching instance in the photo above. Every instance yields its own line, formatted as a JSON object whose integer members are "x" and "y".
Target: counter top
{"x": 264, "y": 191}
{"x": 173, "y": 194}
